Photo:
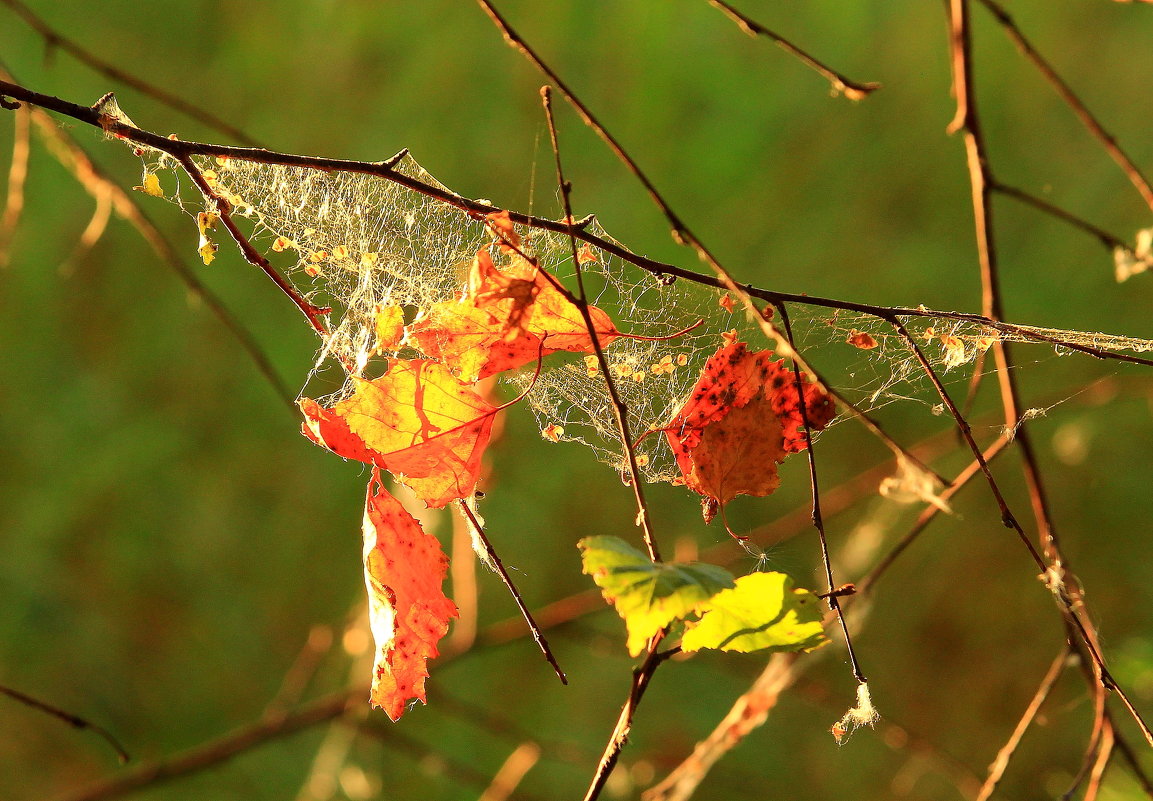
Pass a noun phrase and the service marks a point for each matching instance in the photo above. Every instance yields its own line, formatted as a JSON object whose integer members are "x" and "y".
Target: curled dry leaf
{"x": 507, "y": 317}
{"x": 741, "y": 419}
{"x": 417, "y": 421}
{"x": 404, "y": 568}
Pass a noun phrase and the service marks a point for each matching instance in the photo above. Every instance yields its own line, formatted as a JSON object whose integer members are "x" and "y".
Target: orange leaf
{"x": 507, "y": 317}
{"x": 859, "y": 339}
{"x": 389, "y": 327}
{"x": 741, "y": 419}
{"x": 417, "y": 421}
{"x": 404, "y": 569}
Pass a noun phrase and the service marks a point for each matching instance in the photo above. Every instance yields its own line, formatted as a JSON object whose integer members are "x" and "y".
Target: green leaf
{"x": 762, "y": 612}
{"x": 648, "y": 595}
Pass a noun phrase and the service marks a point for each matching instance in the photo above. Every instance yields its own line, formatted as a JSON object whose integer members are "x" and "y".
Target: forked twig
{"x": 541, "y": 642}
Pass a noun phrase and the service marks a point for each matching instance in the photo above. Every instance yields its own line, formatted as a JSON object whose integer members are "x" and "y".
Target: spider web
{"x": 358, "y": 242}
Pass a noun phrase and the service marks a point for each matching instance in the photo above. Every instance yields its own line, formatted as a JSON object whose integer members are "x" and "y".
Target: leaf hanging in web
{"x": 741, "y": 420}
{"x": 417, "y": 421}
{"x": 648, "y": 595}
{"x": 404, "y": 569}
{"x": 507, "y": 317}
{"x": 761, "y": 612}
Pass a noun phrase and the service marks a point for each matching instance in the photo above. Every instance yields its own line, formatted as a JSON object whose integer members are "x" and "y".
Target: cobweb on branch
{"x": 359, "y": 242}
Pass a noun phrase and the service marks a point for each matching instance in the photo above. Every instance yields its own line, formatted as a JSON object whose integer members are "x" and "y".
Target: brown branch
{"x": 385, "y": 170}
{"x": 841, "y": 85}
{"x": 1132, "y": 172}
{"x": 53, "y": 39}
{"x": 221, "y": 749}
{"x": 75, "y": 721}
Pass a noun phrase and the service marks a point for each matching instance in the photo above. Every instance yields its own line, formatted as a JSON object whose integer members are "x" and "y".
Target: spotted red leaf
{"x": 740, "y": 421}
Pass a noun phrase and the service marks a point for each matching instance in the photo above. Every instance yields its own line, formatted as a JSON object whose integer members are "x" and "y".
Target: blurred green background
{"x": 171, "y": 542}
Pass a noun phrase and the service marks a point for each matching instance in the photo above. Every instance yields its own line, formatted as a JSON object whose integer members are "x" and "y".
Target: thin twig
{"x": 54, "y": 38}
{"x": 997, "y": 769}
{"x": 620, "y": 409}
{"x": 478, "y": 530}
{"x": 75, "y": 721}
{"x": 841, "y": 85}
{"x": 818, "y": 521}
{"x": 1132, "y": 172}
{"x": 1104, "y": 237}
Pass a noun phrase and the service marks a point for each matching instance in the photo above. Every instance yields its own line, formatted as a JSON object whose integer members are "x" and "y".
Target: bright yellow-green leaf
{"x": 648, "y": 595}
{"x": 762, "y": 612}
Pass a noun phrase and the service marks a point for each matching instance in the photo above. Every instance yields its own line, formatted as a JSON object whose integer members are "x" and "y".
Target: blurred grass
{"x": 171, "y": 540}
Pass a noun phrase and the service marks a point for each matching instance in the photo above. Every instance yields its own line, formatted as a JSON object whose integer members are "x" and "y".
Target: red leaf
{"x": 404, "y": 569}
{"x": 740, "y": 421}
{"x": 417, "y": 421}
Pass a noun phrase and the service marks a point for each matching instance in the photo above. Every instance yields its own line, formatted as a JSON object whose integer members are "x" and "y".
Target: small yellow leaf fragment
{"x": 281, "y": 244}
{"x": 682, "y": 359}
{"x": 389, "y": 327}
{"x": 639, "y": 376}
{"x": 729, "y": 336}
{"x": 591, "y": 365}
{"x": 205, "y": 221}
{"x": 642, "y": 459}
{"x": 210, "y": 177}
{"x": 368, "y": 259}
{"x": 317, "y": 256}
{"x": 553, "y": 432}
{"x": 859, "y": 339}
{"x": 311, "y": 270}
{"x": 665, "y": 365}
{"x": 151, "y": 185}
{"x": 340, "y": 252}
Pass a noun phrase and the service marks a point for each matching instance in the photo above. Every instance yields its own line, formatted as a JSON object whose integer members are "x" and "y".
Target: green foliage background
{"x": 170, "y": 540}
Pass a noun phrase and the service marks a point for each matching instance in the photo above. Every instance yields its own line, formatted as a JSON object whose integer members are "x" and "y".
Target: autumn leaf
{"x": 506, "y": 317}
{"x": 404, "y": 569}
{"x": 417, "y": 421}
{"x": 740, "y": 421}
{"x": 648, "y": 595}
{"x": 762, "y": 612}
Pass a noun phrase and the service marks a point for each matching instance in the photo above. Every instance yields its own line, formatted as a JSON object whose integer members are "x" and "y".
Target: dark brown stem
{"x": 818, "y": 521}
{"x": 841, "y": 84}
{"x": 620, "y": 409}
{"x": 75, "y": 721}
{"x": 1104, "y": 237}
{"x": 620, "y": 735}
{"x": 314, "y": 314}
{"x": 541, "y": 642}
